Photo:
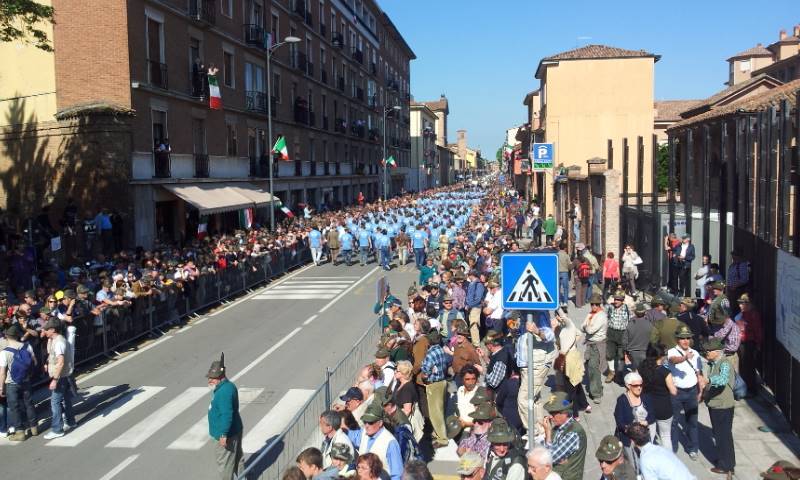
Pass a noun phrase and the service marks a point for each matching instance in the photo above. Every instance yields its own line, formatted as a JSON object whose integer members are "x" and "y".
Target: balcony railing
{"x": 161, "y": 165}
{"x": 358, "y": 55}
{"x": 300, "y": 115}
{"x": 253, "y": 35}
{"x": 298, "y": 168}
{"x": 201, "y": 165}
{"x": 312, "y": 168}
{"x": 337, "y": 40}
{"x": 203, "y": 11}
{"x": 157, "y": 74}
{"x": 198, "y": 84}
{"x": 259, "y": 166}
{"x": 255, "y": 101}
{"x": 340, "y": 126}
{"x": 358, "y": 131}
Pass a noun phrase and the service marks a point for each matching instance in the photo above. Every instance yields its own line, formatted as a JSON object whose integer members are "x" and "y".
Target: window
{"x": 228, "y": 71}
{"x": 322, "y": 58}
{"x": 233, "y": 147}
{"x": 253, "y": 77}
{"x": 333, "y": 21}
{"x": 276, "y": 87}
{"x": 159, "y": 119}
{"x": 322, "y": 13}
{"x": 256, "y": 14}
{"x": 744, "y": 65}
{"x": 324, "y": 102}
{"x": 227, "y": 8}
{"x": 198, "y": 135}
{"x": 155, "y": 40}
{"x": 275, "y": 27}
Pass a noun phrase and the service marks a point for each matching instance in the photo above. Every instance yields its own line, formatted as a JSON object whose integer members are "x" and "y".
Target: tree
{"x": 663, "y": 168}
{"x": 22, "y": 19}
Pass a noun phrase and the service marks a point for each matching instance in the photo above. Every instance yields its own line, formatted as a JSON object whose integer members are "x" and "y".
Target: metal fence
{"x": 281, "y": 451}
{"x": 114, "y": 327}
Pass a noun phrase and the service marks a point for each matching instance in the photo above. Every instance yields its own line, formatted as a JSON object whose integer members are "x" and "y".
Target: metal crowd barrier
{"x": 280, "y": 452}
{"x": 101, "y": 335}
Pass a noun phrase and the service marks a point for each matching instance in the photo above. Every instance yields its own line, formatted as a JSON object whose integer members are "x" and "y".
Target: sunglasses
{"x": 636, "y": 385}
{"x": 606, "y": 462}
{"x": 370, "y": 423}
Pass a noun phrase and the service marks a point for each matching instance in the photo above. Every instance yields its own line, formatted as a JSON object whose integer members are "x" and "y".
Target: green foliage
{"x": 663, "y": 168}
{"x": 499, "y": 154}
{"x": 22, "y": 19}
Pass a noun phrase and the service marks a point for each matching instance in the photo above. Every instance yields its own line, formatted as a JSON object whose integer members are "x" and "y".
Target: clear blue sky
{"x": 483, "y": 54}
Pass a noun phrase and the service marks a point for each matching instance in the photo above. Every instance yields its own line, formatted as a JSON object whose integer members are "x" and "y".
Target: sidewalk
{"x": 755, "y": 450}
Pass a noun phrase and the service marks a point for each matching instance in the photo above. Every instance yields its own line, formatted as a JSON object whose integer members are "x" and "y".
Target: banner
{"x": 787, "y": 302}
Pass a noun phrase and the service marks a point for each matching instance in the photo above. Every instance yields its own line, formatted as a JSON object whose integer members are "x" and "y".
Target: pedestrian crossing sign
{"x": 529, "y": 281}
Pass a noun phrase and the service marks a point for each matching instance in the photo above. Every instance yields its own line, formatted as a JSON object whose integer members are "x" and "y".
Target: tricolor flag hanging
{"x": 507, "y": 149}
{"x": 280, "y": 147}
{"x": 214, "y": 97}
{"x": 288, "y": 212}
{"x": 389, "y": 161}
{"x": 246, "y": 218}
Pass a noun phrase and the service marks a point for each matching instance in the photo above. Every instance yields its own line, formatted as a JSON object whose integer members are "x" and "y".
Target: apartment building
{"x": 780, "y": 60}
{"x": 424, "y": 153}
{"x": 189, "y": 164}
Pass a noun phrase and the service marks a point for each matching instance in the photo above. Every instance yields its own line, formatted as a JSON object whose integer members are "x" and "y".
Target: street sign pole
{"x": 531, "y": 403}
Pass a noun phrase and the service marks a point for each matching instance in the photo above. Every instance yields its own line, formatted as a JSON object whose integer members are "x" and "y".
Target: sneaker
{"x": 693, "y": 456}
{"x": 33, "y": 431}
{"x": 610, "y": 376}
{"x": 18, "y": 436}
{"x": 596, "y": 401}
{"x": 51, "y": 435}
{"x": 588, "y": 409}
{"x": 68, "y": 426}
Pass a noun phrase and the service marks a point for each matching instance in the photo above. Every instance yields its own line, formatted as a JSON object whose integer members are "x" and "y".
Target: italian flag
{"x": 214, "y": 97}
{"x": 389, "y": 161}
{"x": 288, "y": 212}
{"x": 246, "y": 218}
{"x": 507, "y": 150}
{"x": 280, "y": 147}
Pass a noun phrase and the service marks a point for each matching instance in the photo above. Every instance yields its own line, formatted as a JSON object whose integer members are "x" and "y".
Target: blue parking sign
{"x": 529, "y": 281}
{"x": 542, "y": 156}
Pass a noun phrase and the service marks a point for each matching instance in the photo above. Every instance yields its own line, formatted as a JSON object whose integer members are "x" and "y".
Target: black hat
{"x": 217, "y": 368}
{"x": 352, "y": 393}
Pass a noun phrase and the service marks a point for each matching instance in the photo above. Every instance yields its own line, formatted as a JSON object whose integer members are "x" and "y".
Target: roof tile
{"x": 599, "y": 51}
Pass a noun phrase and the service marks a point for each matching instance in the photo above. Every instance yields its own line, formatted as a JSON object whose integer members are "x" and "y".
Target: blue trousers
{"x": 589, "y": 290}
{"x": 362, "y": 254}
{"x": 385, "y": 258}
{"x": 419, "y": 257}
{"x": 685, "y": 401}
{"x": 563, "y": 287}
{"x": 348, "y": 256}
{"x": 61, "y": 401}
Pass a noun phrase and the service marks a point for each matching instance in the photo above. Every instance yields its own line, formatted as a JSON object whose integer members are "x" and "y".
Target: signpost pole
{"x": 531, "y": 403}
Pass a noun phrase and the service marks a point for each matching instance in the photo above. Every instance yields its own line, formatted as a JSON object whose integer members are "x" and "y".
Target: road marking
{"x": 330, "y": 278}
{"x": 104, "y": 418}
{"x": 197, "y": 435}
{"x": 300, "y": 281}
{"x": 266, "y": 287}
{"x": 122, "y": 466}
{"x": 276, "y": 420}
{"x": 297, "y": 296}
{"x": 338, "y": 297}
{"x": 310, "y": 319}
{"x": 143, "y": 430}
{"x": 265, "y": 355}
{"x": 308, "y": 288}
{"x": 124, "y": 359}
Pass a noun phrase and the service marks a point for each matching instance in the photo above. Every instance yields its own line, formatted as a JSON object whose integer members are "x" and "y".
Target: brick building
{"x": 328, "y": 92}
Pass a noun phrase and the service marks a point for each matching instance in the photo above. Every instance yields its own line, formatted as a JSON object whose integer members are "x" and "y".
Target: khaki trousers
{"x": 475, "y": 325}
{"x": 435, "y": 395}
{"x": 229, "y": 458}
{"x": 540, "y": 373}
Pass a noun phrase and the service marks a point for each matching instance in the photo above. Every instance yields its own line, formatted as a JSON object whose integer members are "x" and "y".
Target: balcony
{"x": 312, "y": 168}
{"x": 198, "y": 87}
{"x": 323, "y": 75}
{"x": 358, "y": 55}
{"x": 255, "y": 101}
{"x": 200, "y": 165}
{"x": 372, "y": 101}
{"x": 323, "y": 30}
{"x": 337, "y": 40}
{"x": 360, "y": 93}
{"x": 253, "y": 35}
{"x": 373, "y": 68}
{"x": 203, "y": 11}
{"x": 340, "y": 83}
{"x": 161, "y": 165}
{"x": 358, "y": 130}
{"x": 340, "y": 126}
{"x": 300, "y": 115}
{"x": 374, "y": 134}
{"x": 259, "y": 166}
{"x": 300, "y": 61}
{"x": 157, "y": 74}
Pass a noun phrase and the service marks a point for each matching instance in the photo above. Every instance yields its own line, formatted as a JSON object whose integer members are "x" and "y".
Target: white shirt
{"x": 552, "y": 476}
{"x": 684, "y": 247}
{"x": 493, "y": 301}
{"x": 684, "y": 374}
{"x": 702, "y": 272}
{"x": 465, "y": 407}
{"x": 658, "y": 463}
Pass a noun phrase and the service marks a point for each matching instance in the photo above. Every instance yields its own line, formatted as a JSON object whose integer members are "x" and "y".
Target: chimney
{"x": 759, "y": 44}
{"x": 782, "y": 35}
{"x": 797, "y": 31}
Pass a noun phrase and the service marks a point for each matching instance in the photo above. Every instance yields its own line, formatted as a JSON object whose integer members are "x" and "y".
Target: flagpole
{"x": 269, "y": 142}
{"x": 385, "y": 165}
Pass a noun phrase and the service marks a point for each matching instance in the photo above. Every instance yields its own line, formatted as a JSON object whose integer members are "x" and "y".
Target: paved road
{"x": 145, "y": 413}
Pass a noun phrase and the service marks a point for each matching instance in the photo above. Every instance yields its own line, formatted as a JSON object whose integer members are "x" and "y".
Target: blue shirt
{"x": 363, "y": 238}
{"x": 658, "y": 463}
{"x": 315, "y": 239}
{"x": 418, "y": 238}
{"x": 346, "y": 241}
{"x": 475, "y": 293}
{"x": 383, "y": 241}
{"x": 434, "y": 366}
{"x": 393, "y": 457}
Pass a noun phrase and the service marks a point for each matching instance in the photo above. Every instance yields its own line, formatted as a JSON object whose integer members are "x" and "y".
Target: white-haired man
{"x": 540, "y": 464}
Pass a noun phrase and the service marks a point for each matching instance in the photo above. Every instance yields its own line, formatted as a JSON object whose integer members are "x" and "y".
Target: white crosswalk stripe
{"x": 276, "y": 420}
{"x": 102, "y": 419}
{"x": 308, "y": 288}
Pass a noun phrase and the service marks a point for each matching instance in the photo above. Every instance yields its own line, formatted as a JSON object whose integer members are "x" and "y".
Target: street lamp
{"x": 271, "y": 49}
{"x": 385, "y": 163}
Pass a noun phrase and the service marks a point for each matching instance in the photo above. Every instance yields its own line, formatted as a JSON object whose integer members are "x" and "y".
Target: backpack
{"x": 409, "y": 448}
{"x": 21, "y": 365}
{"x": 584, "y": 270}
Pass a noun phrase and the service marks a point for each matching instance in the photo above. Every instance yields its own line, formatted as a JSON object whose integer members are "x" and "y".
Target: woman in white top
{"x": 630, "y": 269}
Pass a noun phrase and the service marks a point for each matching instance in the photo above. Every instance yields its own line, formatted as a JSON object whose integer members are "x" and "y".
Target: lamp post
{"x": 269, "y": 126}
{"x": 385, "y": 163}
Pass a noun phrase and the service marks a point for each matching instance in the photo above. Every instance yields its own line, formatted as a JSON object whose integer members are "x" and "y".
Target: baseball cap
{"x": 352, "y": 393}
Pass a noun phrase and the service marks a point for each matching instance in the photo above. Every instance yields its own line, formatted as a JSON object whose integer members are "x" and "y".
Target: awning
{"x": 259, "y": 195}
{"x": 211, "y": 198}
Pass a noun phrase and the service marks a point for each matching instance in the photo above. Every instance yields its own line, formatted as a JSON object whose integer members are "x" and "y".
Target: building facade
{"x": 327, "y": 94}
{"x": 424, "y": 171}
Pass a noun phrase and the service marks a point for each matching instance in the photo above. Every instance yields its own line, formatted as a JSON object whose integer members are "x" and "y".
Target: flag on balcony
{"x": 214, "y": 97}
{"x": 246, "y": 218}
{"x": 280, "y": 147}
{"x": 288, "y": 212}
{"x": 389, "y": 161}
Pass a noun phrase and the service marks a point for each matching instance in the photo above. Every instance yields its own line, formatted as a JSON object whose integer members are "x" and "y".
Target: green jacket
{"x": 725, "y": 397}
{"x": 223, "y": 416}
{"x": 549, "y": 226}
{"x": 385, "y": 307}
